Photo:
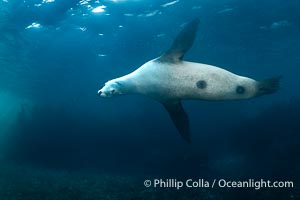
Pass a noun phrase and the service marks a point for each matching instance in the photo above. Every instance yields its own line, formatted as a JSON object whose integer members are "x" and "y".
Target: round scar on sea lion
{"x": 201, "y": 84}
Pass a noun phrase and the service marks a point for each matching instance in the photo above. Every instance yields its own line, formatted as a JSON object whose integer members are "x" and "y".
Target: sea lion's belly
{"x": 187, "y": 80}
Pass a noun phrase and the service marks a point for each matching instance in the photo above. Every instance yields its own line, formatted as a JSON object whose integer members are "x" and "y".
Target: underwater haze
{"x": 60, "y": 140}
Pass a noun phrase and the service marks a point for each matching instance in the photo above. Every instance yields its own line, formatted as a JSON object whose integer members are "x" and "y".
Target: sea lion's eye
{"x": 113, "y": 91}
{"x": 240, "y": 89}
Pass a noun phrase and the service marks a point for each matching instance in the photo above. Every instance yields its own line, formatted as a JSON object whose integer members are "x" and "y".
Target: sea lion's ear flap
{"x": 179, "y": 118}
{"x": 120, "y": 87}
{"x": 118, "y": 83}
{"x": 182, "y": 43}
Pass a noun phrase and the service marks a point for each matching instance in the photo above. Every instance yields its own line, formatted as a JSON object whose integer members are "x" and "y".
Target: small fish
{"x": 82, "y": 28}
{"x": 170, "y": 3}
{"x": 48, "y": 1}
{"x": 34, "y": 25}
{"x": 149, "y": 14}
{"x": 161, "y": 35}
{"x": 196, "y": 7}
{"x": 128, "y": 14}
{"x": 280, "y": 24}
{"x": 226, "y": 10}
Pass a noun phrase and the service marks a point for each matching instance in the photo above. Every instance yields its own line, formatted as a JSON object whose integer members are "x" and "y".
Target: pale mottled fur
{"x": 176, "y": 81}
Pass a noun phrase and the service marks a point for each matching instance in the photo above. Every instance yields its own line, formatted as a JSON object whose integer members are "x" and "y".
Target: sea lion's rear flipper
{"x": 179, "y": 118}
{"x": 268, "y": 86}
{"x": 182, "y": 43}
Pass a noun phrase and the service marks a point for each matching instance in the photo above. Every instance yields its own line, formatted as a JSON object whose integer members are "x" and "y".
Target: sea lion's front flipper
{"x": 179, "y": 118}
{"x": 182, "y": 43}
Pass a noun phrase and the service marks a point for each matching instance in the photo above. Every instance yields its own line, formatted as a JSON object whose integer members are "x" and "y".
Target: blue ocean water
{"x": 55, "y": 130}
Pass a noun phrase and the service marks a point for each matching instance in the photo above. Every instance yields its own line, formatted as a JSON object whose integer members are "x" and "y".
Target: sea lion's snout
{"x": 101, "y": 94}
{"x": 110, "y": 89}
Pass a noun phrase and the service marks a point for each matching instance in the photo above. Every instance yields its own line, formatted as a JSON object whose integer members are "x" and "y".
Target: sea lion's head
{"x": 110, "y": 89}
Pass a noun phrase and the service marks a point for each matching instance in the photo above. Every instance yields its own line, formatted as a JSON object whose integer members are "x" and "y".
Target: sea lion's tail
{"x": 268, "y": 86}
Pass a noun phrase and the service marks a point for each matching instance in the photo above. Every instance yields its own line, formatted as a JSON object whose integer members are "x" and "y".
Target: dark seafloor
{"x": 59, "y": 140}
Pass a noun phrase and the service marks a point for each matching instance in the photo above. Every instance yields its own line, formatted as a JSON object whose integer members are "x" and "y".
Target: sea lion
{"x": 168, "y": 79}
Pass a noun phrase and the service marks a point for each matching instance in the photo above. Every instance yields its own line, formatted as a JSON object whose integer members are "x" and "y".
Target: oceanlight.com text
{"x": 220, "y": 183}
